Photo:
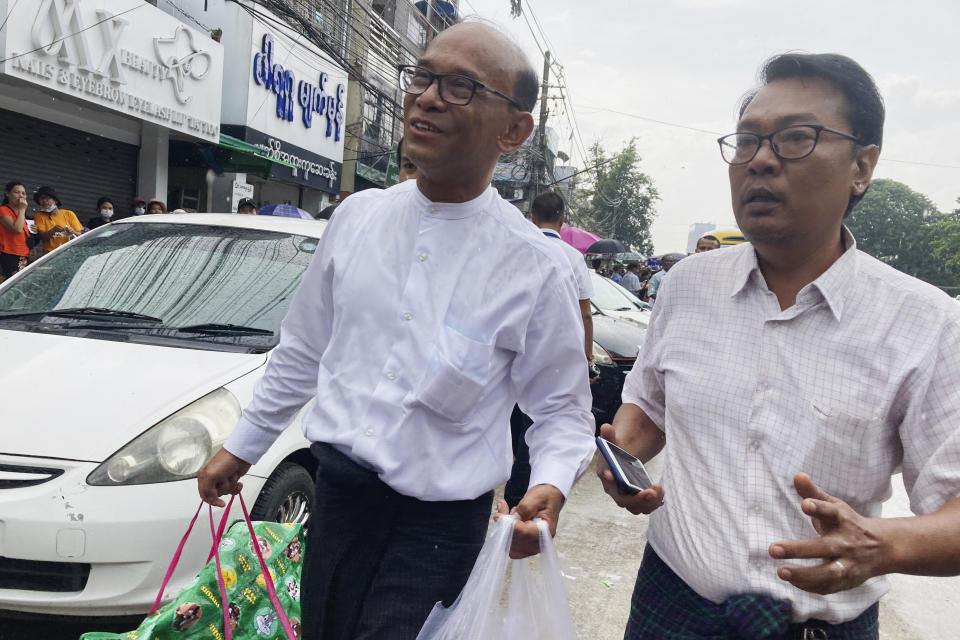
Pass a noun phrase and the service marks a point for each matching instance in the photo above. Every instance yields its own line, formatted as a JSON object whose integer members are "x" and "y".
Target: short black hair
{"x": 596, "y": 262}
{"x": 547, "y": 207}
{"x": 103, "y": 200}
{"x": 526, "y": 88}
{"x": 7, "y": 189}
{"x": 710, "y": 237}
{"x": 865, "y": 111}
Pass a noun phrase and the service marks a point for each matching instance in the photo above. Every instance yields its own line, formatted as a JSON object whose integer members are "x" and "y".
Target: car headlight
{"x": 176, "y": 447}
{"x": 600, "y": 355}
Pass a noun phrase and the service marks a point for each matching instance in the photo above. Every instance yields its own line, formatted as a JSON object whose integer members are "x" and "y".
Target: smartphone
{"x": 629, "y": 473}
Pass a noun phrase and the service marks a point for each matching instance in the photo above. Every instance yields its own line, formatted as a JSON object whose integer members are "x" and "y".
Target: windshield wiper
{"x": 83, "y": 312}
{"x": 225, "y": 329}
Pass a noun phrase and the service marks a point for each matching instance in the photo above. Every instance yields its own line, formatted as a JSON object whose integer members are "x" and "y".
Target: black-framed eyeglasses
{"x": 454, "y": 88}
{"x": 788, "y": 143}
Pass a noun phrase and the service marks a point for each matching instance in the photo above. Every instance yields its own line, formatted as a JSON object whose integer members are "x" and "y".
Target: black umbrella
{"x": 607, "y": 246}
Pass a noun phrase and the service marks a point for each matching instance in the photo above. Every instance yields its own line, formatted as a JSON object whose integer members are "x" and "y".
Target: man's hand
{"x": 221, "y": 476}
{"x": 646, "y": 501}
{"x": 541, "y": 501}
{"x": 851, "y": 547}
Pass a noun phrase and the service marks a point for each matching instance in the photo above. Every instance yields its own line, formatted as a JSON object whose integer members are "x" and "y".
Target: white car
{"x": 127, "y": 355}
{"x": 613, "y": 300}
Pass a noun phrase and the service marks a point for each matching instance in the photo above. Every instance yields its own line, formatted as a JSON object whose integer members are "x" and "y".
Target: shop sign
{"x": 309, "y": 169}
{"x": 133, "y": 58}
{"x": 241, "y": 190}
{"x": 320, "y": 99}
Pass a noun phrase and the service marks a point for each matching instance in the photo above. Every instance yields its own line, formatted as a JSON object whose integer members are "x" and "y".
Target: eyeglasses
{"x": 453, "y": 88}
{"x": 789, "y": 143}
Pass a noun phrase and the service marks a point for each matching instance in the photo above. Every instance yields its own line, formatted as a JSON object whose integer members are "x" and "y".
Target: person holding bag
{"x": 470, "y": 310}
{"x": 14, "y": 230}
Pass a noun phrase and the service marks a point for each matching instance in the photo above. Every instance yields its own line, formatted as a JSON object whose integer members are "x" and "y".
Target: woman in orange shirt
{"x": 14, "y": 230}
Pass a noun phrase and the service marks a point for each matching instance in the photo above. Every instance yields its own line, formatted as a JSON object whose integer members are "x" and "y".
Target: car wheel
{"x": 287, "y": 496}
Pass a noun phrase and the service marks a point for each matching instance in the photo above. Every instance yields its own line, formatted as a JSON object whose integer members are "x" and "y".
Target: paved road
{"x": 601, "y": 546}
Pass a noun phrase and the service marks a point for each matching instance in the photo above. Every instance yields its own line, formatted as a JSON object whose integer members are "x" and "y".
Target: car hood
{"x": 82, "y": 399}
{"x": 621, "y": 338}
{"x": 638, "y": 317}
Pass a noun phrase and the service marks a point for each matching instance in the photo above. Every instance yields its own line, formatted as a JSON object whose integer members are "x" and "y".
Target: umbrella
{"x": 630, "y": 256}
{"x": 284, "y": 210}
{"x": 607, "y": 246}
{"x": 578, "y": 238}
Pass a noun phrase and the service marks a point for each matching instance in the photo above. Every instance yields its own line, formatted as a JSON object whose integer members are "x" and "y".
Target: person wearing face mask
{"x": 105, "y": 211}
{"x": 139, "y": 206}
{"x": 55, "y": 226}
{"x": 14, "y": 230}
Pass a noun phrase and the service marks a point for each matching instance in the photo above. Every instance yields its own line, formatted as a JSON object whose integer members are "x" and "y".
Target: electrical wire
{"x": 69, "y": 35}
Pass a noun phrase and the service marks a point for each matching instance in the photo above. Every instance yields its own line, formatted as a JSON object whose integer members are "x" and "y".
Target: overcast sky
{"x": 689, "y": 61}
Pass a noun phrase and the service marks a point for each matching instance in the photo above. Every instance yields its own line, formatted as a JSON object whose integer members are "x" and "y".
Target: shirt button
{"x": 423, "y": 256}
{"x": 391, "y": 375}
{"x": 757, "y": 508}
{"x": 368, "y": 432}
{"x": 408, "y": 316}
{"x": 432, "y": 209}
{"x": 755, "y": 444}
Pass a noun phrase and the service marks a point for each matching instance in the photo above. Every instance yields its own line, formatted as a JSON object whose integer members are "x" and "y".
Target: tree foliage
{"x": 946, "y": 240}
{"x": 901, "y": 227}
{"x": 618, "y": 199}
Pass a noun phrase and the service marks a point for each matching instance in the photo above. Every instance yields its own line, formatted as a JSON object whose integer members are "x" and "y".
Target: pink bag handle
{"x": 266, "y": 576}
{"x": 173, "y": 563}
{"x": 215, "y": 552}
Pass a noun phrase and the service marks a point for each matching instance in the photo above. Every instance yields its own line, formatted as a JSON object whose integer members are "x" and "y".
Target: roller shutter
{"x": 81, "y": 167}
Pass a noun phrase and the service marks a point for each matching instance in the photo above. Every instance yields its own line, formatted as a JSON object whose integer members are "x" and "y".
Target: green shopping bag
{"x": 248, "y": 590}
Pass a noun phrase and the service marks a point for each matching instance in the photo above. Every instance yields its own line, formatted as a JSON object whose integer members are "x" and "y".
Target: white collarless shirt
{"x": 859, "y": 377}
{"x": 417, "y": 327}
{"x": 577, "y": 264}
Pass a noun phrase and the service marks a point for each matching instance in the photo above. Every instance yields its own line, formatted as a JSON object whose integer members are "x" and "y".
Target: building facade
{"x": 91, "y": 97}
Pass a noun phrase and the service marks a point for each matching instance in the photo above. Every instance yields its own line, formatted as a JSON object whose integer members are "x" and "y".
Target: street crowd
{"x": 26, "y": 232}
{"x": 784, "y": 380}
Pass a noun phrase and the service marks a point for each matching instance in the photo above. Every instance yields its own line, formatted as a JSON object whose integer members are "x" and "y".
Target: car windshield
{"x": 609, "y": 296}
{"x": 205, "y": 285}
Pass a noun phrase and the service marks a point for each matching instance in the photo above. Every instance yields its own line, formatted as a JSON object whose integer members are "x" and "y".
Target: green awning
{"x": 236, "y": 155}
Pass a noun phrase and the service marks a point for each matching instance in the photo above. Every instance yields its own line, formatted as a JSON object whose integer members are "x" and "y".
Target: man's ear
{"x": 865, "y": 161}
{"x": 519, "y": 128}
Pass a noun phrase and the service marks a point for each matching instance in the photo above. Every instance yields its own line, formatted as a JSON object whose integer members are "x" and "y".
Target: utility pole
{"x": 539, "y": 149}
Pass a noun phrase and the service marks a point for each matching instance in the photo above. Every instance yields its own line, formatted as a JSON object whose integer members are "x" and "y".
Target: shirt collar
{"x": 550, "y": 232}
{"x": 832, "y": 285}
{"x": 452, "y": 210}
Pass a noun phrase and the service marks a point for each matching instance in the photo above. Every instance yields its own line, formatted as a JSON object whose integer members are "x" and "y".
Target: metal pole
{"x": 540, "y": 141}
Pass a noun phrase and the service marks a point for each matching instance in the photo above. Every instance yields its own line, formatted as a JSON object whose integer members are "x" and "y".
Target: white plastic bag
{"x": 530, "y": 605}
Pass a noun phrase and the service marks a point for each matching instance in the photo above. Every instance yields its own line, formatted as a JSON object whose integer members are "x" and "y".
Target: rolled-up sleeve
{"x": 290, "y": 379}
{"x": 553, "y": 388}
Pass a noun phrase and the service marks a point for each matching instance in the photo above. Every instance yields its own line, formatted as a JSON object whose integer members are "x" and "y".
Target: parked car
{"x": 616, "y": 342}
{"x": 613, "y": 300}
{"x": 127, "y": 356}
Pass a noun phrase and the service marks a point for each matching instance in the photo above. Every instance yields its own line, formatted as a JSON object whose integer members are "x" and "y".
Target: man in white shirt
{"x": 792, "y": 377}
{"x": 546, "y": 212}
{"x": 416, "y": 355}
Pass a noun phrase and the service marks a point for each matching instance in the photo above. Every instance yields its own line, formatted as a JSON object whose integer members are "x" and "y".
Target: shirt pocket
{"x": 456, "y": 377}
